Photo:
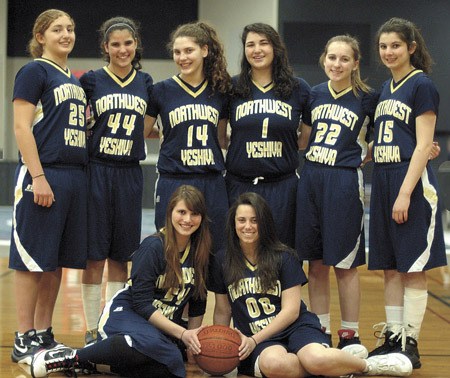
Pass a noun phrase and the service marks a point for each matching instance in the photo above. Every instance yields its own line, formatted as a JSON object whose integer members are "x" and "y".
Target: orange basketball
{"x": 219, "y": 349}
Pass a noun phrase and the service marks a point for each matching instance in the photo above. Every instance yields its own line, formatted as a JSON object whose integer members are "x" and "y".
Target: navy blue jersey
{"x": 253, "y": 310}
{"x": 189, "y": 119}
{"x": 147, "y": 278}
{"x": 395, "y": 116}
{"x": 264, "y": 132}
{"x": 59, "y": 126}
{"x": 339, "y": 125}
{"x": 119, "y": 107}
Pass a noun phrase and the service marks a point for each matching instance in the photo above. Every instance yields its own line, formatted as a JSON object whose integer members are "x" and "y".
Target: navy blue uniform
{"x": 190, "y": 153}
{"x": 116, "y": 145}
{"x": 252, "y": 310}
{"x": 44, "y": 239}
{"x": 263, "y": 153}
{"x": 128, "y": 312}
{"x": 417, "y": 244}
{"x": 331, "y": 187}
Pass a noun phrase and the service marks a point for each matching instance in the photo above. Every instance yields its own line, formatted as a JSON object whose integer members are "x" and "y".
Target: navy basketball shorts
{"x": 46, "y": 238}
{"x": 306, "y": 330}
{"x": 213, "y": 188}
{"x": 119, "y": 318}
{"x": 280, "y": 196}
{"x": 330, "y": 215}
{"x": 114, "y": 210}
{"x": 416, "y": 245}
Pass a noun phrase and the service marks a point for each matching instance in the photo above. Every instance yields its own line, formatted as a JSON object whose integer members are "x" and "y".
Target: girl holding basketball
{"x": 258, "y": 284}
{"x": 140, "y": 329}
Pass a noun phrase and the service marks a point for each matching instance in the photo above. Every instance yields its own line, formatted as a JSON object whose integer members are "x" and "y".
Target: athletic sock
{"x": 325, "y": 322}
{"x": 415, "y": 302}
{"x": 394, "y": 318}
{"x": 112, "y": 288}
{"x": 354, "y": 326}
{"x": 92, "y": 297}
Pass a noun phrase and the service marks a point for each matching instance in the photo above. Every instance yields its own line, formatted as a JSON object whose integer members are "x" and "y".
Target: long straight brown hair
{"x": 200, "y": 241}
{"x": 269, "y": 250}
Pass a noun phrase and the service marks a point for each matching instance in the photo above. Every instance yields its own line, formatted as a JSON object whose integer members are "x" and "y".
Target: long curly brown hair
{"x": 215, "y": 64}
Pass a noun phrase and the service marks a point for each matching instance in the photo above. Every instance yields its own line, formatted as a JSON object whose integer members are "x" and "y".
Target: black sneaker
{"x": 392, "y": 344}
{"x": 47, "y": 339}
{"x": 25, "y": 347}
{"x": 412, "y": 352}
{"x": 63, "y": 359}
{"x": 351, "y": 344}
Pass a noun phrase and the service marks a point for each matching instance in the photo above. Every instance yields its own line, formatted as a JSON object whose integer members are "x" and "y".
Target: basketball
{"x": 219, "y": 349}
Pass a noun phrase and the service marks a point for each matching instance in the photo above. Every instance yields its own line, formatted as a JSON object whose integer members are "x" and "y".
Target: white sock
{"x": 112, "y": 288}
{"x": 415, "y": 302}
{"x": 394, "y": 318}
{"x": 325, "y": 322}
{"x": 91, "y": 295}
{"x": 354, "y": 326}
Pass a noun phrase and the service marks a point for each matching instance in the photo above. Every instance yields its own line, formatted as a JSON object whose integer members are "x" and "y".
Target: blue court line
{"x": 439, "y": 298}
{"x": 5, "y": 273}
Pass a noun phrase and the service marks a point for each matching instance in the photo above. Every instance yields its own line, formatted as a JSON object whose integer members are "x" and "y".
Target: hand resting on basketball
{"x": 247, "y": 346}
{"x": 190, "y": 339}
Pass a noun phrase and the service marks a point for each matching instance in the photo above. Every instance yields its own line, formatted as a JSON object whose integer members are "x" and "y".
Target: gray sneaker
{"x": 392, "y": 364}
{"x": 90, "y": 337}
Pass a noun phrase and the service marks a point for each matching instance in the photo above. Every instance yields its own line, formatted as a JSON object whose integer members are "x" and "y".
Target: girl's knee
{"x": 276, "y": 365}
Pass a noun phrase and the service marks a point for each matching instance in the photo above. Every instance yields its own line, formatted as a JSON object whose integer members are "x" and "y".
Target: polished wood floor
{"x": 69, "y": 323}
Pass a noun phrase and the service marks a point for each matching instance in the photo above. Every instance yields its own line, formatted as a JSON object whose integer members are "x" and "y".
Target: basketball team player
{"x": 191, "y": 105}
{"x": 118, "y": 95}
{"x": 140, "y": 335}
{"x": 49, "y": 214}
{"x": 266, "y": 109}
{"x": 405, "y": 234}
{"x": 330, "y": 196}
{"x": 258, "y": 284}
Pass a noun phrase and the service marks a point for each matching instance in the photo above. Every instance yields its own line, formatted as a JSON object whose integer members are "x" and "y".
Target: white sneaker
{"x": 392, "y": 364}
{"x": 53, "y": 360}
{"x": 357, "y": 350}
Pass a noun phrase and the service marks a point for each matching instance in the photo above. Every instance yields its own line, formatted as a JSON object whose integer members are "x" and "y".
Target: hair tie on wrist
{"x": 182, "y": 333}
{"x": 256, "y": 344}
{"x": 39, "y": 175}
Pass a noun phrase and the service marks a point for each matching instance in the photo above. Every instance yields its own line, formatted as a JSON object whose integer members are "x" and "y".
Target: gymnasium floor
{"x": 69, "y": 321}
